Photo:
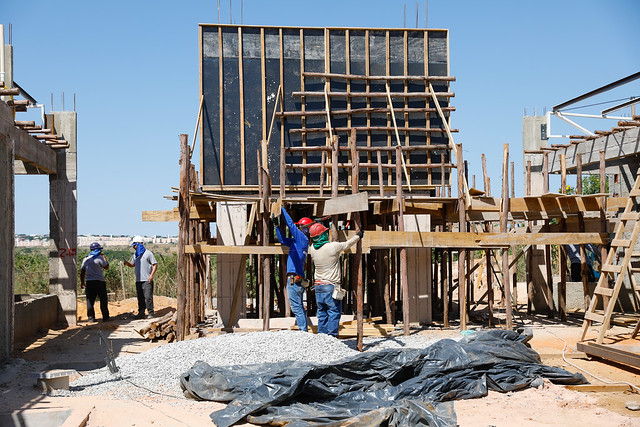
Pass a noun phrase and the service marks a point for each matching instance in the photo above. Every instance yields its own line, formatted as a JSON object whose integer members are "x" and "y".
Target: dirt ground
{"x": 78, "y": 346}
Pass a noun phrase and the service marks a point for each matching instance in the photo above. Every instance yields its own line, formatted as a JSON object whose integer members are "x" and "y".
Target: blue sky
{"x": 133, "y": 67}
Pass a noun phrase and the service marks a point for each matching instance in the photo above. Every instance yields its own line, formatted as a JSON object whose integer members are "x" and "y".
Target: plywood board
{"x": 358, "y": 202}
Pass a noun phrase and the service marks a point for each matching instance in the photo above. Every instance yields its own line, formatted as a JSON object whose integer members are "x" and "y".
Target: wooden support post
{"x": 283, "y": 172}
{"x": 462, "y": 256}
{"x": 547, "y": 259}
{"x": 504, "y": 218}
{"x": 545, "y": 173}
{"x": 403, "y": 251}
{"x": 603, "y": 219}
{"x": 380, "y": 174}
{"x": 355, "y": 172}
{"x": 563, "y": 173}
{"x": 514, "y": 282}
{"x": 485, "y": 177}
{"x": 445, "y": 287}
{"x": 562, "y": 286}
{"x": 266, "y": 260}
{"x": 334, "y": 183}
{"x": 443, "y": 190}
{"x": 182, "y": 326}
{"x": 581, "y": 227}
{"x": 530, "y": 265}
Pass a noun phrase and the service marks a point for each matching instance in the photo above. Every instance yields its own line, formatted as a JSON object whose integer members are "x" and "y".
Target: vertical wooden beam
{"x": 562, "y": 288}
{"x": 504, "y": 218}
{"x": 485, "y": 178}
{"x": 513, "y": 271}
{"x": 529, "y": 272}
{"x": 303, "y": 106}
{"x": 282, "y": 88}
{"x": 581, "y": 225}
{"x": 182, "y": 327}
{"x": 266, "y": 192}
{"x": 563, "y": 173}
{"x": 241, "y": 95}
{"x": 462, "y": 220}
{"x": 263, "y": 84}
{"x": 603, "y": 219}
{"x": 403, "y": 251}
{"x": 334, "y": 184}
{"x": 545, "y": 173}
{"x": 355, "y": 171}
{"x": 221, "y": 102}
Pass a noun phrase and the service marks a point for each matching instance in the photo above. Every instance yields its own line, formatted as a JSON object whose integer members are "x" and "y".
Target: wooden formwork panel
{"x": 242, "y": 67}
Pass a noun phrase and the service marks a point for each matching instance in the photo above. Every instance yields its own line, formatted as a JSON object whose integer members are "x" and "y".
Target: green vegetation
{"x": 590, "y": 185}
{"x": 32, "y": 270}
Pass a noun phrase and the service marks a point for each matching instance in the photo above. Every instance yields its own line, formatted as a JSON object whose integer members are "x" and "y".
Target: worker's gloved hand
{"x": 360, "y": 233}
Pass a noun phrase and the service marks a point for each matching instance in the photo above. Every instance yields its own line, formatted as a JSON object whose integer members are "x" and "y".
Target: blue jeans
{"x": 329, "y": 310}
{"x": 294, "y": 292}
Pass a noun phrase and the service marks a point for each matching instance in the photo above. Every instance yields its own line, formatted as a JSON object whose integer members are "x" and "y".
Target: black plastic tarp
{"x": 399, "y": 387}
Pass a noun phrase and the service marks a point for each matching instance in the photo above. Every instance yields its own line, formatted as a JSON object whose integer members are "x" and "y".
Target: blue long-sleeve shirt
{"x": 298, "y": 246}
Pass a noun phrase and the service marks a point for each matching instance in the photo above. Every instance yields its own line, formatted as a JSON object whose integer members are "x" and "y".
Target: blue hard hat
{"x": 94, "y": 246}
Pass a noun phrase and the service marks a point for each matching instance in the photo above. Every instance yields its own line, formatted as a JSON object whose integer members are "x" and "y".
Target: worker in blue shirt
{"x": 298, "y": 246}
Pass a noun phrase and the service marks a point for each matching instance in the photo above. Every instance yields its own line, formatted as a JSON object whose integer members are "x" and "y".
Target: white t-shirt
{"x": 327, "y": 260}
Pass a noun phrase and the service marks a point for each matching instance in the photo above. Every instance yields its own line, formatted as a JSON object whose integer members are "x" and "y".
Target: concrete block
{"x": 54, "y": 379}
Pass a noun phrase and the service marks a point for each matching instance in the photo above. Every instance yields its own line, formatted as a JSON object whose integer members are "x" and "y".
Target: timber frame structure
{"x": 355, "y": 127}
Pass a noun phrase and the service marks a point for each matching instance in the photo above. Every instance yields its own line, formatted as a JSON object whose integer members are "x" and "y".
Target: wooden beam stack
{"x": 162, "y": 328}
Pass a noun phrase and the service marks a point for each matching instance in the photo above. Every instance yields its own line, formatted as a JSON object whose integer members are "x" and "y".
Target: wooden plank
{"x": 345, "y": 204}
{"x": 599, "y": 388}
{"x": 415, "y": 239}
{"x": 160, "y": 216}
{"x": 608, "y": 352}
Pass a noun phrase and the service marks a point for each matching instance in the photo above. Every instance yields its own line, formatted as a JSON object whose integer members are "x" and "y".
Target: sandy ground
{"x": 549, "y": 405}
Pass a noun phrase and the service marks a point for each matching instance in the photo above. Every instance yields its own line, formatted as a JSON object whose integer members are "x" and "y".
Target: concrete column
{"x": 63, "y": 219}
{"x": 7, "y": 229}
{"x": 532, "y": 132}
{"x": 231, "y": 225}
{"x": 419, "y": 272}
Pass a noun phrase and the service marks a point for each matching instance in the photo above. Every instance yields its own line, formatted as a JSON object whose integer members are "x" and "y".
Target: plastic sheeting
{"x": 398, "y": 387}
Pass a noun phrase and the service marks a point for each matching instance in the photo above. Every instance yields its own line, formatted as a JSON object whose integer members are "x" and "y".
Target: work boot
{"x": 92, "y": 319}
{"x": 151, "y": 316}
{"x": 140, "y": 316}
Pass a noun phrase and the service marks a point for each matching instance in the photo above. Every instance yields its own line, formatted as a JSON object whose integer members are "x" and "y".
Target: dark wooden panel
{"x": 244, "y": 123}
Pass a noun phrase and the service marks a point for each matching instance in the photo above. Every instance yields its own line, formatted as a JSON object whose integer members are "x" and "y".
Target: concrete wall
{"x": 7, "y": 226}
{"x": 63, "y": 219}
{"x": 232, "y": 227}
{"x": 33, "y": 313}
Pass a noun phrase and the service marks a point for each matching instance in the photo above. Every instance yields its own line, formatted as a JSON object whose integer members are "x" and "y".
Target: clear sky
{"x": 133, "y": 67}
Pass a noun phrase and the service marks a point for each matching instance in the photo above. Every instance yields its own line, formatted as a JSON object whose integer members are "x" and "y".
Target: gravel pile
{"x": 158, "y": 370}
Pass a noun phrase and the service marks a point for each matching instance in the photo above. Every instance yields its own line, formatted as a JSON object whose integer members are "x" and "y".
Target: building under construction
{"x": 352, "y": 126}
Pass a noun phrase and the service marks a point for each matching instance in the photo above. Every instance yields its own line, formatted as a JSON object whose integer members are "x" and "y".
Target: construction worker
{"x": 298, "y": 249}
{"x": 92, "y": 270}
{"x": 327, "y": 283}
{"x": 145, "y": 264}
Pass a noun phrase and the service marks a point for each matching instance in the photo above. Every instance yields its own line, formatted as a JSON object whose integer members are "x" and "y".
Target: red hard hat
{"x": 317, "y": 229}
{"x": 304, "y": 221}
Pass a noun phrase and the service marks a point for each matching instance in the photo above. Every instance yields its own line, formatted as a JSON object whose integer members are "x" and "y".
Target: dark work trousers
{"x": 144, "y": 290}
{"x": 97, "y": 288}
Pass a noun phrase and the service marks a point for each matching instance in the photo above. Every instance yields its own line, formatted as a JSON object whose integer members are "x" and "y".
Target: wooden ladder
{"x": 629, "y": 218}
